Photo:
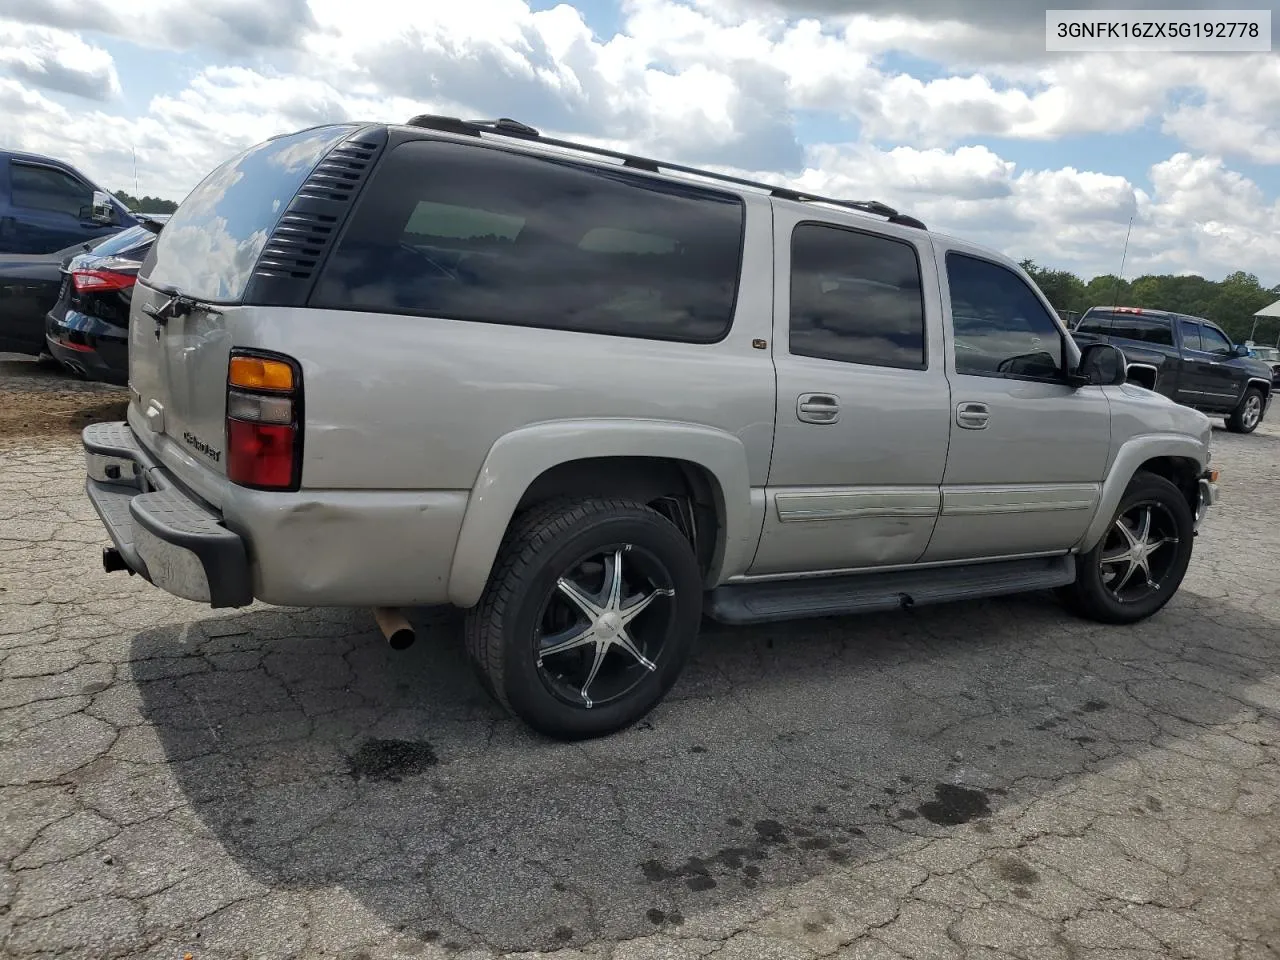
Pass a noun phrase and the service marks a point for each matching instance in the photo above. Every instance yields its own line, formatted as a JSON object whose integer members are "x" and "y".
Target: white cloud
{"x": 57, "y": 60}
{"x": 716, "y": 82}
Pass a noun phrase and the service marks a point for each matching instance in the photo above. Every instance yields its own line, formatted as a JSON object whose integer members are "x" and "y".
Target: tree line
{"x": 1230, "y": 303}
{"x": 146, "y": 204}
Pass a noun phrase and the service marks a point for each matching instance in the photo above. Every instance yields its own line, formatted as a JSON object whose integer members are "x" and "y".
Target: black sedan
{"x": 87, "y": 328}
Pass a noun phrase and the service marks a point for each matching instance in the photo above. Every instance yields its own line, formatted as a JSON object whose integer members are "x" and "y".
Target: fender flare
{"x": 1133, "y": 453}
{"x": 520, "y": 457}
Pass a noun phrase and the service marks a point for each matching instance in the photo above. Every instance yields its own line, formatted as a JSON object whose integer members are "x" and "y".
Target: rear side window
{"x": 1142, "y": 329}
{"x": 1096, "y": 323}
{"x": 471, "y": 233}
{"x": 210, "y": 246}
{"x": 855, "y": 297}
{"x": 37, "y": 187}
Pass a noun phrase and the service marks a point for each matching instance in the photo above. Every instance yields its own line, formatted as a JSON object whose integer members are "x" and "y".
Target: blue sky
{"x": 958, "y": 113}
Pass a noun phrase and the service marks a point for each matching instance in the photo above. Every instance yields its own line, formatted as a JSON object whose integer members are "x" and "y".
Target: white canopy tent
{"x": 1273, "y": 310}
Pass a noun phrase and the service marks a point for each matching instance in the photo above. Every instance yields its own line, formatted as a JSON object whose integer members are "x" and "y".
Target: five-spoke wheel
{"x": 588, "y": 616}
{"x": 1141, "y": 560}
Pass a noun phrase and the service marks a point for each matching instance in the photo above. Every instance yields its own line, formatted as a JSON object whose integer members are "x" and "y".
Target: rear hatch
{"x": 186, "y": 314}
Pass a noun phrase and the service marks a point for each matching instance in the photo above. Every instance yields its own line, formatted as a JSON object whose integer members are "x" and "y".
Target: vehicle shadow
{"x": 317, "y": 756}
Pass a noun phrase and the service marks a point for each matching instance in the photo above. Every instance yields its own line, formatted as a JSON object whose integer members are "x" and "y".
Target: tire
{"x": 511, "y": 633}
{"x": 1248, "y": 415}
{"x": 1092, "y": 594}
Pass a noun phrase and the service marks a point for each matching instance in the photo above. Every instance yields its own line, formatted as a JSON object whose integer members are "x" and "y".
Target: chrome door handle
{"x": 973, "y": 416}
{"x": 818, "y": 408}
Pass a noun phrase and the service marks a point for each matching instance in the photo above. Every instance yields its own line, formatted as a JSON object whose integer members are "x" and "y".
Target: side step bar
{"x": 772, "y": 600}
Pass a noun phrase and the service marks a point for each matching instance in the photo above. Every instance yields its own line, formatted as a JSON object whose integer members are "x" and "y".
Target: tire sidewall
{"x": 524, "y": 687}
{"x": 1144, "y": 487}
{"x": 1239, "y": 425}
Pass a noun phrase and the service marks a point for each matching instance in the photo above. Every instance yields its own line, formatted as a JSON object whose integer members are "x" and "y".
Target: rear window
{"x": 210, "y": 246}
{"x": 1096, "y": 323}
{"x": 130, "y": 242}
{"x": 472, "y": 233}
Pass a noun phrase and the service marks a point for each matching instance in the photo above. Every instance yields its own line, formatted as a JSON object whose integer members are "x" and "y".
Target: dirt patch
{"x": 51, "y": 412}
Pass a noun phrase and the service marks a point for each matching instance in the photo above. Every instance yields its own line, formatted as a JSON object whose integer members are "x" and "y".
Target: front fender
{"x": 520, "y": 457}
{"x": 1133, "y": 453}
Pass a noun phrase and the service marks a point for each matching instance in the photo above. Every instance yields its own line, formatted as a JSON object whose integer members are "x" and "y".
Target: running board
{"x": 772, "y": 600}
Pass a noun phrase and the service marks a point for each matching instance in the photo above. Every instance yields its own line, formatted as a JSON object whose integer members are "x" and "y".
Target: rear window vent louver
{"x": 292, "y": 254}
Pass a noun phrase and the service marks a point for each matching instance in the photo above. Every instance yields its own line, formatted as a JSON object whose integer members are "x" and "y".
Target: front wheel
{"x": 588, "y": 617}
{"x": 1248, "y": 415}
{"x": 1139, "y": 564}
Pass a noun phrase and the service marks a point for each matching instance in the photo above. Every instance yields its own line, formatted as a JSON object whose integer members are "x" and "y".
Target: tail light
{"x": 101, "y": 281}
{"x": 264, "y": 421}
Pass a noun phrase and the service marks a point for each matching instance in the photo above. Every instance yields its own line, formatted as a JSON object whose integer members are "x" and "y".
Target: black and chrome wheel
{"x": 1141, "y": 560}
{"x": 588, "y": 616}
{"x": 1248, "y": 415}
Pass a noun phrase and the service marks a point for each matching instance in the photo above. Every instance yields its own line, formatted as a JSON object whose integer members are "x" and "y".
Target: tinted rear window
{"x": 471, "y": 233}
{"x": 132, "y": 242}
{"x": 209, "y": 247}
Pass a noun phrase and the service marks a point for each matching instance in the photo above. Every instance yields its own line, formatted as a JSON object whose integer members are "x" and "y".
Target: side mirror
{"x": 103, "y": 210}
{"x": 1240, "y": 350}
{"x": 1101, "y": 365}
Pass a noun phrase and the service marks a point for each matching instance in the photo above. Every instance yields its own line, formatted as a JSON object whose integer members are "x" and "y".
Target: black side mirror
{"x": 1240, "y": 350}
{"x": 1101, "y": 365}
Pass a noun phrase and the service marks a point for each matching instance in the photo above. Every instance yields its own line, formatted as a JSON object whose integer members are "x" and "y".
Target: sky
{"x": 950, "y": 110}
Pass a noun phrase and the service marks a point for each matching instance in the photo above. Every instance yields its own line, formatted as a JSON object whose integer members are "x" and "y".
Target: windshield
{"x": 210, "y": 246}
{"x": 124, "y": 243}
{"x": 1266, "y": 353}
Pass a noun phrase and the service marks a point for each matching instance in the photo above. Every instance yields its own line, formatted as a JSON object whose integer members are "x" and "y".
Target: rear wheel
{"x": 588, "y": 617}
{"x": 1139, "y": 564}
{"x": 1248, "y": 415}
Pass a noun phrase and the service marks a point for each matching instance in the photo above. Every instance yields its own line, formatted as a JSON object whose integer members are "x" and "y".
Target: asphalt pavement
{"x": 977, "y": 781}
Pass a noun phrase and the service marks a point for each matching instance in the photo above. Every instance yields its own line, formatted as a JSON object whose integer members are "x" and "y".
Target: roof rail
{"x": 504, "y": 126}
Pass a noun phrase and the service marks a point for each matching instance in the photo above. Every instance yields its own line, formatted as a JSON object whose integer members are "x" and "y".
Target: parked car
{"x": 1271, "y": 357}
{"x": 47, "y": 205}
{"x": 588, "y": 397}
{"x": 87, "y": 329}
{"x": 28, "y": 288}
{"x": 1188, "y": 359}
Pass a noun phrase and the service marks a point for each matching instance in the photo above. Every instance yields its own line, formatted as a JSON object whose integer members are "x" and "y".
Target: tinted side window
{"x": 1190, "y": 335}
{"x": 210, "y": 246}
{"x": 43, "y": 188}
{"x": 1133, "y": 326}
{"x": 855, "y": 297}
{"x": 473, "y": 233}
{"x": 1099, "y": 323}
{"x": 1001, "y": 329}
{"x": 1213, "y": 341}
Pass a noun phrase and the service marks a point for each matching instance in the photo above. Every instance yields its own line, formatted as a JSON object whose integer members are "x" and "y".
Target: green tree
{"x": 146, "y": 204}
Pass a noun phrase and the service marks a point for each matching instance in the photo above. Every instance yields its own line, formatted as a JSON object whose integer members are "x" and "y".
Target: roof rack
{"x": 507, "y": 127}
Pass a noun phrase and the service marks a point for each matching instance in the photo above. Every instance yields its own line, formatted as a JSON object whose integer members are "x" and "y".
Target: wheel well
{"x": 1181, "y": 472}
{"x": 684, "y": 492}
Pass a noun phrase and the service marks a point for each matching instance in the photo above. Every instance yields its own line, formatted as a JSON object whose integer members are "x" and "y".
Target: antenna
{"x": 135, "y": 172}
{"x": 1115, "y": 290}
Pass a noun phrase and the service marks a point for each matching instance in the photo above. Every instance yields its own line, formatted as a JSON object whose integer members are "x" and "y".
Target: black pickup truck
{"x": 1188, "y": 359}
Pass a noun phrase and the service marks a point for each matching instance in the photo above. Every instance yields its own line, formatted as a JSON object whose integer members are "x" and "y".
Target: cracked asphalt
{"x": 978, "y": 781}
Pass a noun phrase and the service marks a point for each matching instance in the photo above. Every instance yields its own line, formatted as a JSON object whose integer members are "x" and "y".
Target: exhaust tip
{"x": 398, "y": 631}
{"x": 113, "y": 560}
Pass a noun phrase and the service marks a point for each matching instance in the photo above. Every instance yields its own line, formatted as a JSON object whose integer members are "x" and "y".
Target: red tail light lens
{"x": 101, "y": 281}
{"x": 260, "y": 454}
{"x": 264, "y": 423}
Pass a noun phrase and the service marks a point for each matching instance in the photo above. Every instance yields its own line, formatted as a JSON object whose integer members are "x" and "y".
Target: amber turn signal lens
{"x": 255, "y": 373}
{"x": 1213, "y": 476}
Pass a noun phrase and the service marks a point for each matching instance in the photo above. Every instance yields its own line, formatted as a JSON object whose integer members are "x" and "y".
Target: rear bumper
{"x": 76, "y": 341}
{"x": 162, "y": 533}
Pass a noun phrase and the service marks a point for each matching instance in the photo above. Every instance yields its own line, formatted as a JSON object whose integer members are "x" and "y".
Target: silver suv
{"x": 591, "y": 398}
